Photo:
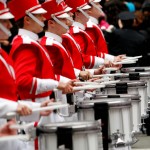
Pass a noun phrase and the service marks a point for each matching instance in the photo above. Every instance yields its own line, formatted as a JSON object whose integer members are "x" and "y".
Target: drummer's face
{"x": 94, "y": 12}
{"x": 7, "y": 24}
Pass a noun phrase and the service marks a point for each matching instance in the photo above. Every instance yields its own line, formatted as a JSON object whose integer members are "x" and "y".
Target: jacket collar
{"x": 78, "y": 24}
{"x": 54, "y": 36}
{"x": 25, "y": 32}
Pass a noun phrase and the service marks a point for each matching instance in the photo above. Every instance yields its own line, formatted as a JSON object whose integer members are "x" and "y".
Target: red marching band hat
{"x": 21, "y": 8}
{"x": 56, "y": 7}
{"x": 75, "y": 4}
{"x": 4, "y": 11}
{"x": 5, "y": 14}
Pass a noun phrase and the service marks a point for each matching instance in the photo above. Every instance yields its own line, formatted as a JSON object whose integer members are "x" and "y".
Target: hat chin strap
{"x": 83, "y": 12}
{"x": 94, "y": 5}
{"x": 94, "y": 20}
{"x": 59, "y": 22}
{"x": 35, "y": 19}
{"x": 5, "y": 30}
{"x": 70, "y": 19}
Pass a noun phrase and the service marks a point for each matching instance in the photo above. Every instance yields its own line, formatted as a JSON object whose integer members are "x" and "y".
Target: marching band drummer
{"x": 84, "y": 23}
{"x": 34, "y": 71}
{"x": 56, "y": 25}
{"x": 8, "y": 90}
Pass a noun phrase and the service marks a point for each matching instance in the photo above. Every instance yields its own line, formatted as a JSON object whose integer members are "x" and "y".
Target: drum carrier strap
{"x": 121, "y": 88}
{"x": 70, "y": 98}
{"x": 140, "y": 70}
{"x": 113, "y": 96}
{"x": 64, "y": 137}
{"x": 134, "y": 76}
{"x": 101, "y": 112}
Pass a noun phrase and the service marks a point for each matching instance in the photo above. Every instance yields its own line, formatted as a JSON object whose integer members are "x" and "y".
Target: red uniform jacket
{"x": 31, "y": 61}
{"x": 79, "y": 58}
{"x": 8, "y": 88}
{"x": 97, "y": 36}
{"x": 61, "y": 60}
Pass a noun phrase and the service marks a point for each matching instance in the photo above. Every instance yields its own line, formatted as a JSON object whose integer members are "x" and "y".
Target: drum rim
{"x": 132, "y": 96}
{"x": 133, "y": 68}
{"x": 78, "y": 126}
{"x": 130, "y": 84}
{"x": 117, "y": 103}
{"x": 141, "y": 75}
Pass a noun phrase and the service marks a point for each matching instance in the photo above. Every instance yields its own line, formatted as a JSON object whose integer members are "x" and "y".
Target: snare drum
{"x": 131, "y": 87}
{"x": 136, "y": 106}
{"x": 136, "y": 69}
{"x": 120, "y": 116}
{"x": 70, "y": 136}
{"x": 143, "y": 73}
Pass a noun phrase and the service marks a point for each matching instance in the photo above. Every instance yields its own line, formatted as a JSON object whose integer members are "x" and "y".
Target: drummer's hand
{"x": 85, "y": 75}
{"x": 93, "y": 79}
{"x": 66, "y": 87}
{"x": 119, "y": 58}
{"x": 45, "y": 104}
{"x": 23, "y": 110}
{"x": 117, "y": 66}
{"x": 100, "y": 70}
{"x": 5, "y": 130}
{"x": 108, "y": 63}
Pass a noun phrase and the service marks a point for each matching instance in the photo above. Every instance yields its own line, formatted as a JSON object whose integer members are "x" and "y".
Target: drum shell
{"x": 135, "y": 69}
{"x": 120, "y": 114}
{"x": 144, "y": 73}
{"x": 136, "y": 106}
{"x": 85, "y": 137}
{"x": 134, "y": 87}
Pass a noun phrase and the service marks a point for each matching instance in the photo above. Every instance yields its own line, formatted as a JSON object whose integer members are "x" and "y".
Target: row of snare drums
{"x": 117, "y": 114}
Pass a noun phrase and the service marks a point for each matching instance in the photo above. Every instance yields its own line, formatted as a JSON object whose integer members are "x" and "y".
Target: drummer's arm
{"x": 35, "y": 116}
{"x": 7, "y": 106}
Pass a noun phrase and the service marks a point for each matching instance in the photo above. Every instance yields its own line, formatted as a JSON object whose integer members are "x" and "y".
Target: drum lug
{"x": 32, "y": 132}
{"x": 134, "y": 137}
{"x": 118, "y": 139}
{"x": 72, "y": 110}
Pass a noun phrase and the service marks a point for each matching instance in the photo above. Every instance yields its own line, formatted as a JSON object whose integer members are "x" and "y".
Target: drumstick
{"x": 110, "y": 69}
{"x": 85, "y": 83}
{"x": 129, "y": 59}
{"x": 15, "y": 137}
{"x": 88, "y": 87}
{"x": 102, "y": 80}
{"x": 22, "y": 126}
{"x": 109, "y": 82}
{"x": 109, "y": 75}
{"x": 51, "y": 107}
{"x": 125, "y": 62}
{"x": 136, "y": 57}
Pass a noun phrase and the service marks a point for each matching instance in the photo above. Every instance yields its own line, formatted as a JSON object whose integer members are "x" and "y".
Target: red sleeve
{"x": 26, "y": 67}
{"x": 88, "y": 61}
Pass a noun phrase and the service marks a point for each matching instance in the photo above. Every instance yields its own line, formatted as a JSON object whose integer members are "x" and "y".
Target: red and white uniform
{"x": 90, "y": 30}
{"x": 79, "y": 56}
{"x": 34, "y": 71}
{"x": 97, "y": 35}
{"x": 8, "y": 89}
{"x": 94, "y": 31}
{"x": 61, "y": 59}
